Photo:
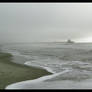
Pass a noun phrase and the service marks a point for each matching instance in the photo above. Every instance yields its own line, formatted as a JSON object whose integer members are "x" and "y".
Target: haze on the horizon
{"x": 36, "y": 22}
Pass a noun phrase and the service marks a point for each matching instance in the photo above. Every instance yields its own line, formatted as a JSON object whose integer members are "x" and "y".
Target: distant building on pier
{"x": 70, "y": 41}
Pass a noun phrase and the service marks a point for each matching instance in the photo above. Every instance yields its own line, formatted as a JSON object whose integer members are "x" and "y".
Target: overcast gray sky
{"x": 32, "y": 22}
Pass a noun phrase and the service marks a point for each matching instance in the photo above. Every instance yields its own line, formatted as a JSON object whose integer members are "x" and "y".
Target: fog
{"x": 43, "y": 22}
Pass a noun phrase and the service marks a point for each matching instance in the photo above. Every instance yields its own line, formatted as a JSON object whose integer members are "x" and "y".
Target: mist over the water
{"x": 39, "y": 22}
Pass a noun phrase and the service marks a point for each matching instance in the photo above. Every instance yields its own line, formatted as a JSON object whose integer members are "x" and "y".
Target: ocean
{"x": 70, "y": 64}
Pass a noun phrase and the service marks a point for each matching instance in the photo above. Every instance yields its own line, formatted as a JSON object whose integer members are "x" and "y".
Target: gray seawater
{"x": 77, "y": 58}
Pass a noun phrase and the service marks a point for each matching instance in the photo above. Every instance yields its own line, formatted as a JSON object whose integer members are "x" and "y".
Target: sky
{"x": 44, "y": 22}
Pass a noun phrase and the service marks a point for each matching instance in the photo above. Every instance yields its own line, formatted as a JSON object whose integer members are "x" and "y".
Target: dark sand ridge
{"x": 12, "y": 72}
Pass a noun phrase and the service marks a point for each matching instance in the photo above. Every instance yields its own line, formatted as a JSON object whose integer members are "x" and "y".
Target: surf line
{"x": 19, "y": 85}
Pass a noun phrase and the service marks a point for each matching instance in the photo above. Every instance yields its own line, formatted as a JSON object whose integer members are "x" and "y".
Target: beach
{"x": 11, "y": 72}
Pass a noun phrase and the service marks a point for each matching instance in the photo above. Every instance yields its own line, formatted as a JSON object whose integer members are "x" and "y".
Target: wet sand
{"x": 12, "y": 72}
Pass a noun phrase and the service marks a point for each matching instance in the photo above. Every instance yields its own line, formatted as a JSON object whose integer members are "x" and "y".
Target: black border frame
{"x": 46, "y": 1}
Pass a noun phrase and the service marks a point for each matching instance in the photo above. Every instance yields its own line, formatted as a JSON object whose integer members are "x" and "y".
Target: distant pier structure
{"x": 69, "y": 41}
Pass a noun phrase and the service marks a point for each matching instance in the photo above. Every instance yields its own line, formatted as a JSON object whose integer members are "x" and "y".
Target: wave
{"x": 66, "y": 73}
{"x": 21, "y": 85}
{"x": 28, "y": 63}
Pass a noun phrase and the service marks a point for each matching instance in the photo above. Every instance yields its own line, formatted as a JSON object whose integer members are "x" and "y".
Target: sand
{"x": 11, "y": 72}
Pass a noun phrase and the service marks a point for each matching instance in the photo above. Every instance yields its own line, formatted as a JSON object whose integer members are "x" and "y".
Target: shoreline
{"x": 11, "y": 72}
{"x": 64, "y": 84}
{"x": 21, "y": 85}
{"x": 34, "y": 84}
